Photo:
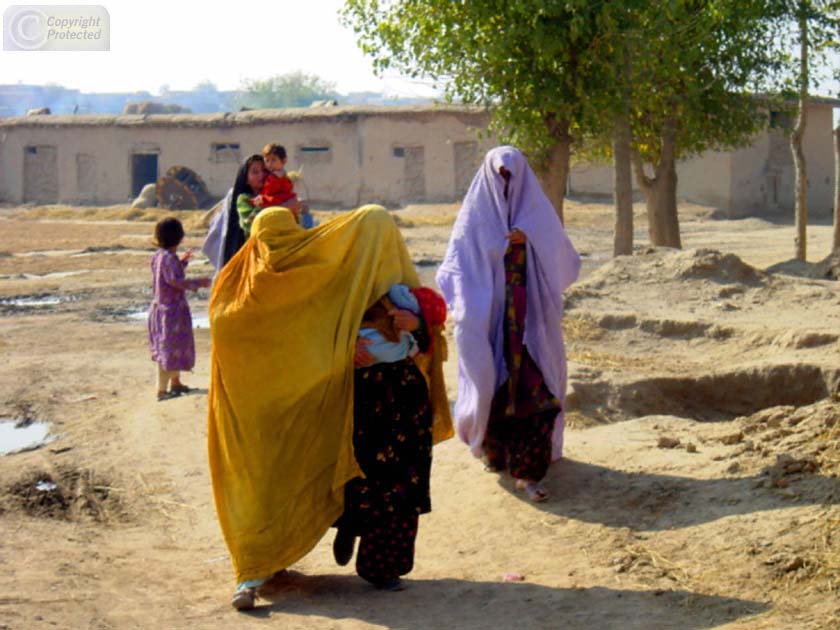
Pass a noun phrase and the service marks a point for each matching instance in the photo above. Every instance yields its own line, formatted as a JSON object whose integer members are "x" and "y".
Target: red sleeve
{"x": 277, "y": 190}
{"x": 433, "y": 311}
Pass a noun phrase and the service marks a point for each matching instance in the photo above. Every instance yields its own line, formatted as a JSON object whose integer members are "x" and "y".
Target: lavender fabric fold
{"x": 214, "y": 242}
{"x": 472, "y": 279}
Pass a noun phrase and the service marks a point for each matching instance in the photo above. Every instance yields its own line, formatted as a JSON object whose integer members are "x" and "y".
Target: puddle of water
{"x": 27, "y": 302}
{"x": 14, "y": 440}
{"x": 198, "y": 321}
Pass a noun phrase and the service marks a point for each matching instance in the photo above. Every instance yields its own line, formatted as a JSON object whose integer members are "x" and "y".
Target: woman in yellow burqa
{"x": 285, "y": 313}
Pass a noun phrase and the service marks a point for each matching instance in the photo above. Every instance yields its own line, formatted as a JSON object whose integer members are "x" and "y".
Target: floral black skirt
{"x": 392, "y": 438}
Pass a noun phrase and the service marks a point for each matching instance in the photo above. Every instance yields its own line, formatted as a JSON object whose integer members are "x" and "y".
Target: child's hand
{"x": 204, "y": 282}
{"x": 258, "y": 201}
{"x": 404, "y": 320}
{"x": 187, "y": 256}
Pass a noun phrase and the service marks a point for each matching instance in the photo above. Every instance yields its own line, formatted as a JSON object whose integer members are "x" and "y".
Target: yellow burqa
{"x": 284, "y": 317}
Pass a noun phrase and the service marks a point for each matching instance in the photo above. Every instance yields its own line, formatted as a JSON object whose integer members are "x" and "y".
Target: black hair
{"x": 235, "y": 236}
{"x": 169, "y": 233}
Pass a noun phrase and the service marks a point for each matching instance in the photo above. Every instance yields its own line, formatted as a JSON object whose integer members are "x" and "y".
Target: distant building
{"x": 757, "y": 179}
{"x": 365, "y": 154}
{"x": 350, "y": 155}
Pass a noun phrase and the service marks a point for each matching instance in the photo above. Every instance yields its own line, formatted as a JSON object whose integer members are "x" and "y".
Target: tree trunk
{"x": 801, "y": 209}
{"x": 661, "y": 192}
{"x": 556, "y": 172}
{"x": 623, "y": 189}
{"x": 836, "y": 243}
{"x": 622, "y": 165}
{"x": 661, "y": 200}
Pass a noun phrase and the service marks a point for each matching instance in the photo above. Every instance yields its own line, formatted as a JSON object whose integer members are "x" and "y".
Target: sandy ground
{"x": 699, "y": 488}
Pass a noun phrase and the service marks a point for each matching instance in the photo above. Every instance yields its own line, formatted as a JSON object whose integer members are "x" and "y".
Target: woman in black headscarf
{"x": 226, "y": 236}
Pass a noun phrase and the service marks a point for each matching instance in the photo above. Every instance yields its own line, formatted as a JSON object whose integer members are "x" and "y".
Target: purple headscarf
{"x": 472, "y": 279}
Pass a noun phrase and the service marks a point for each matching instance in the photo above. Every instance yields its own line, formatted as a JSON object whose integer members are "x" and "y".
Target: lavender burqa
{"x": 472, "y": 279}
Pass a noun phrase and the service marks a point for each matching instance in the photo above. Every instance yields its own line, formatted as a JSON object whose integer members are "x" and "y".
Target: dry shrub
{"x": 614, "y": 361}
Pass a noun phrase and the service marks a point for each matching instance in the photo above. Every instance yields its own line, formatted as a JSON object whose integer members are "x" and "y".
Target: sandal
{"x": 244, "y": 599}
{"x": 167, "y": 395}
{"x": 534, "y": 489}
{"x": 180, "y": 388}
{"x": 489, "y": 466}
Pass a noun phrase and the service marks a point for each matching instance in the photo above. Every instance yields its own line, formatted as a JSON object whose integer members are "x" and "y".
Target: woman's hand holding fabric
{"x": 516, "y": 237}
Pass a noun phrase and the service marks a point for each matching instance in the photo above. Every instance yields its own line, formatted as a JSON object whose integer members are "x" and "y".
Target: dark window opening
{"x": 144, "y": 170}
{"x": 225, "y": 152}
{"x": 399, "y": 152}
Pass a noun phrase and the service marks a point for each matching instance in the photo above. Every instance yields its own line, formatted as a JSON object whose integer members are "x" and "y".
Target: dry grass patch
{"x": 581, "y": 329}
{"x": 191, "y": 219}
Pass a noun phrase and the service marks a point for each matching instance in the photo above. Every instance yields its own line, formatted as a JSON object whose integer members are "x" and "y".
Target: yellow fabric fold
{"x": 284, "y": 316}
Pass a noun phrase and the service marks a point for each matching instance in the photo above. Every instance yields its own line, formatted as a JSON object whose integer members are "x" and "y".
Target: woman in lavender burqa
{"x": 508, "y": 262}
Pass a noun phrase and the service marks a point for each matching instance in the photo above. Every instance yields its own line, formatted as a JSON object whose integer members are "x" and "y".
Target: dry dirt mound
{"x": 798, "y": 449}
{"x": 660, "y": 265}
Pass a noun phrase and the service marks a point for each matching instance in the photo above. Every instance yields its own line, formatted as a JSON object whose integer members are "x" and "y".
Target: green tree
{"x": 693, "y": 89}
{"x": 529, "y": 61}
{"x": 204, "y": 86}
{"x": 295, "y": 89}
{"x": 553, "y": 72}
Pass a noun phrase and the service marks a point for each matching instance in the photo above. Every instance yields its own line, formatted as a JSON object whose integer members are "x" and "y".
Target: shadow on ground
{"x": 653, "y": 502}
{"x": 464, "y": 604}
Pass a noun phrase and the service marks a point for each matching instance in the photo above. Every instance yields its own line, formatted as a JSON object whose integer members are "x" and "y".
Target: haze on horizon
{"x": 157, "y": 43}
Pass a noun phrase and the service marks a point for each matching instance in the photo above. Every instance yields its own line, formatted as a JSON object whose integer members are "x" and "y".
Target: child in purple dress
{"x": 170, "y": 324}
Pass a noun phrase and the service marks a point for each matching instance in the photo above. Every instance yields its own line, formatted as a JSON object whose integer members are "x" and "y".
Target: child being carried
{"x": 389, "y": 345}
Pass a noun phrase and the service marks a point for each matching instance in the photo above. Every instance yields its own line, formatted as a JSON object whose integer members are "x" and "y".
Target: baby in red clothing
{"x": 278, "y": 189}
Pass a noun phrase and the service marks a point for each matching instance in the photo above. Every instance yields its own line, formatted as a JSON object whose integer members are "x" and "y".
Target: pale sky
{"x": 177, "y": 43}
{"x": 155, "y": 42}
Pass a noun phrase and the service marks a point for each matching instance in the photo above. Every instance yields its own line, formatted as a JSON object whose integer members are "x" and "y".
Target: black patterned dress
{"x": 392, "y": 438}
{"x": 523, "y": 411}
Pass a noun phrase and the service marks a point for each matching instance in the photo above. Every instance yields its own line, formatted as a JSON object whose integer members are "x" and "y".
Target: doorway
{"x": 144, "y": 170}
{"x": 40, "y": 174}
